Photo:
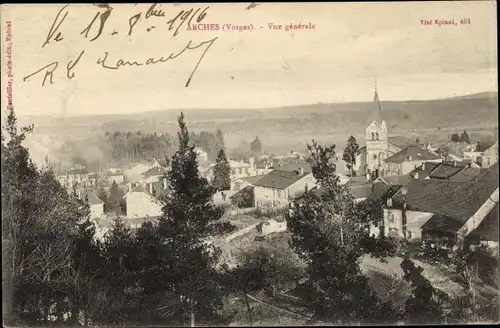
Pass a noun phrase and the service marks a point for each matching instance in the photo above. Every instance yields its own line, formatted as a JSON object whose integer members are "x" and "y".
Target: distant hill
{"x": 293, "y": 126}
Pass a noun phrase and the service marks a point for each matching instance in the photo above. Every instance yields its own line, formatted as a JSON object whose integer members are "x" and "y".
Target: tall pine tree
{"x": 189, "y": 216}
{"x": 222, "y": 171}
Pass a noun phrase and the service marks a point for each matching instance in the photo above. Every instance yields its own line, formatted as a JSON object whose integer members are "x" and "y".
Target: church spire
{"x": 378, "y": 107}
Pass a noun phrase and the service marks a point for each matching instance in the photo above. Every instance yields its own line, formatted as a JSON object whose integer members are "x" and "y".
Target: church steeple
{"x": 378, "y": 107}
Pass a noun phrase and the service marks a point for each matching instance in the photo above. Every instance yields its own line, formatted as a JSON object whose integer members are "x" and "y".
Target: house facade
{"x": 141, "y": 203}
{"x": 490, "y": 156}
{"x": 439, "y": 212}
{"x": 278, "y": 188}
{"x": 408, "y": 159}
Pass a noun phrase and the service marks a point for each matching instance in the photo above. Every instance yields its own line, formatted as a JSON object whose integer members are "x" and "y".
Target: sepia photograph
{"x": 249, "y": 164}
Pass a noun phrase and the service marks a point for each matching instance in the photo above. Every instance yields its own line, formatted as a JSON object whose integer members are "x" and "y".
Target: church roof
{"x": 376, "y": 114}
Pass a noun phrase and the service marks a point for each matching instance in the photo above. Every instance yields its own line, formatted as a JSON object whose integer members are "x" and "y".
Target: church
{"x": 370, "y": 160}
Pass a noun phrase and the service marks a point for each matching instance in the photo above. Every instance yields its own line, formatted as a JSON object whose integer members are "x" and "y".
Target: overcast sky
{"x": 352, "y": 44}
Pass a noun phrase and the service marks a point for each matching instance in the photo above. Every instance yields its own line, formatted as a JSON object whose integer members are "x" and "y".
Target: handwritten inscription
{"x": 97, "y": 26}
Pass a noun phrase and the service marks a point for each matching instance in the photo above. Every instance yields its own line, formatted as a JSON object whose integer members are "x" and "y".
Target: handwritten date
{"x": 97, "y": 25}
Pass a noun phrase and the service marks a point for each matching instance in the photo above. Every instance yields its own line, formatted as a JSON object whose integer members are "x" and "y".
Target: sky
{"x": 352, "y": 46}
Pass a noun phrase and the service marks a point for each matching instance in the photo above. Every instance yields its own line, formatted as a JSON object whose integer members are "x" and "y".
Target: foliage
{"x": 423, "y": 306}
{"x": 222, "y": 171}
{"x": 256, "y": 147}
{"x": 189, "y": 217}
{"x": 328, "y": 235}
{"x": 464, "y": 137}
{"x": 350, "y": 152}
{"x": 455, "y": 137}
{"x": 417, "y": 140}
{"x": 39, "y": 229}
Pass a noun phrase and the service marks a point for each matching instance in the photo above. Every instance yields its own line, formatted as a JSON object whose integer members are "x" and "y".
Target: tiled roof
{"x": 295, "y": 167}
{"x": 278, "y": 179}
{"x": 253, "y": 179}
{"x": 455, "y": 199}
{"x": 362, "y": 150}
{"x": 488, "y": 229}
{"x": 439, "y": 222}
{"x": 358, "y": 180}
{"x": 424, "y": 170}
{"x": 400, "y": 180}
{"x": 361, "y": 191}
{"x": 414, "y": 152}
{"x": 93, "y": 199}
{"x": 467, "y": 174}
{"x": 401, "y": 141}
{"x": 153, "y": 171}
{"x": 445, "y": 171}
{"x": 484, "y": 145}
{"x": 381, "y": 190}
{"x": 242, "y": 192}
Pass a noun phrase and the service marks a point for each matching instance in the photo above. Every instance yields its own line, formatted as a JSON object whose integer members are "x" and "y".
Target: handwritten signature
{"x": 95, "y": 30}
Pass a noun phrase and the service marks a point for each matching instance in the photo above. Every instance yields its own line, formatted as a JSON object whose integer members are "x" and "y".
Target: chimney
{"x": 150, "y": 188}
{"x": 416, "y": 175}
{"x": 423, "y": 166}
{"x": 130, "y": 186}
{"x": 165, "y": 183}
{"x": 301, "y": 171}
{"x": 409, "y": 158}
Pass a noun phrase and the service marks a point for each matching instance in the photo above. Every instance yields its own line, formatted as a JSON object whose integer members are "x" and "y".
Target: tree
{"x": 455, "y": 137}
{"x": 189, "y": 217}
{"x": 256, "y": 147}
{"x": 222, "y": 171}
{"x": 327, "y": 234}
{"x": 39, "y": 225}
{"x": 219, "y": 140}
{"x": 464, "y": 137}
{"x": 417, "y": 141}
{"x": 350, "y": 152}
{"x": 422, "y": 307}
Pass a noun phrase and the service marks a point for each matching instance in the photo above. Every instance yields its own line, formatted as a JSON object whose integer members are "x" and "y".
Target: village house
{"x": 278, "y": 188}
{"x": 141, "y": 202}
{"x": 407, "y": 160}
{"x": 239, "y": 169}
{"x": 378, "y": 145}
{"x": 439, "y": 212}
{"x": 75, "y": 176}
{"x": 95, "y": 203}
{"x": 490, "y": 156}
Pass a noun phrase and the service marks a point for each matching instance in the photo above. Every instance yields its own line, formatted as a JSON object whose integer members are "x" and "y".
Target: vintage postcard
{"x": 249, "y": 164}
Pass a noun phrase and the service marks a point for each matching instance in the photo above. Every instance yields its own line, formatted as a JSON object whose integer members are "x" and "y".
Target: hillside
{"x": 292, "y": 127}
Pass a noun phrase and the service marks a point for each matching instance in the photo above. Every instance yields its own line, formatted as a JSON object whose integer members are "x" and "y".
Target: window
{"x": 391, "y": 218}
{"x": 376, "y": 135}
{"x": 373, "y": 136}
{"x": 374, "y": 156}
{"x": 279, "y": 193}
{"x": 409, "y": 234}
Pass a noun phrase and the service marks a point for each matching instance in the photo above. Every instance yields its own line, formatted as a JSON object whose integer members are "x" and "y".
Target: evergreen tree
{"x": 38, "y": 228}
{"x": 219, "y": 141}
{"x": 222, "y": 171}
{"x": 188, "y": 219}
{"x": 256, "y": 147}
{"x": 464, "y": 137}
{"x": 417, "y": 141}
{"x": 328, "y": 236}
{"x": 350, "y": 152}
{"x": 455, "y": 137}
